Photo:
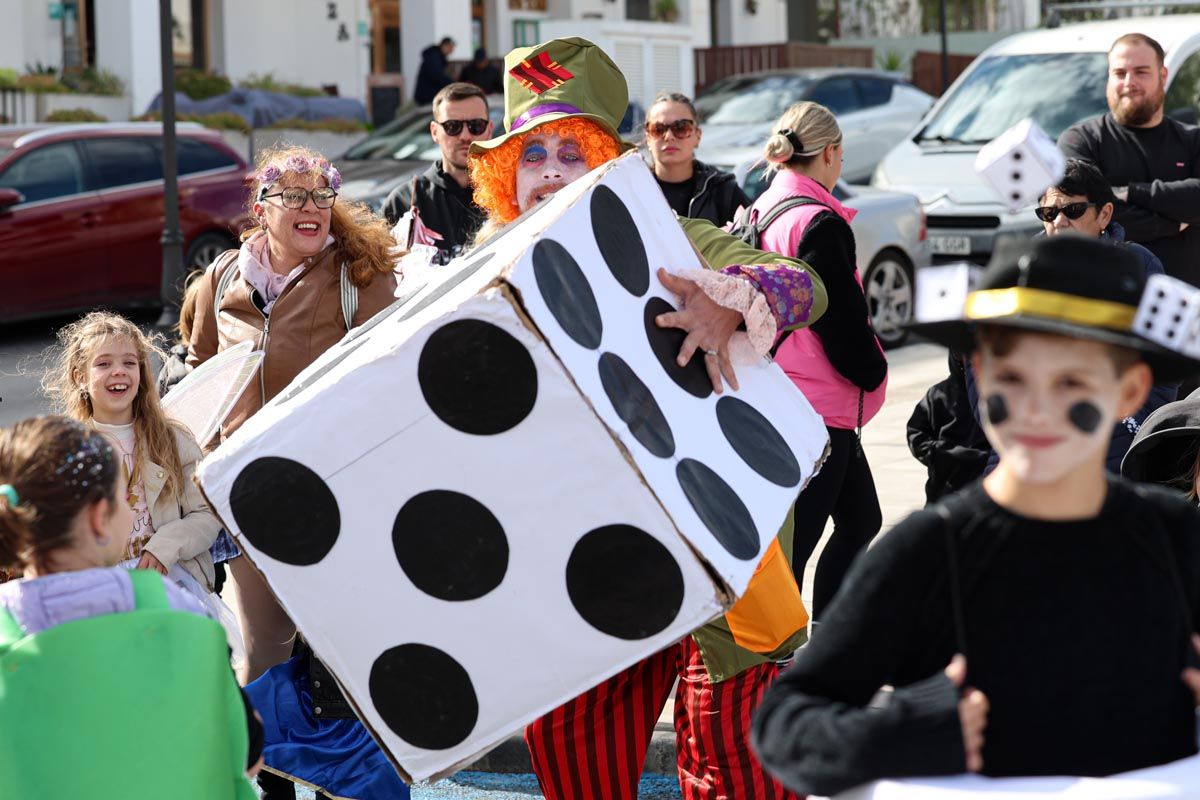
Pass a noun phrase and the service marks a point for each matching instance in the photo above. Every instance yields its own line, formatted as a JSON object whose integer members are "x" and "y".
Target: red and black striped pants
{"x": 593, "y": 747}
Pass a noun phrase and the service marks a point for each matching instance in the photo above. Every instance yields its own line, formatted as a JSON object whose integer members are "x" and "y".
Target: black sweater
{"x": 1076, "y": 631}
{"x": 845, "y": 327}
{"x": 1161, "y": 167}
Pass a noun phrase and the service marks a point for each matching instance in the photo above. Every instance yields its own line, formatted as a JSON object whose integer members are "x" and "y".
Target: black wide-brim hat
{"x": 1164, "y": 449}
{"x": 1069, "y": 285}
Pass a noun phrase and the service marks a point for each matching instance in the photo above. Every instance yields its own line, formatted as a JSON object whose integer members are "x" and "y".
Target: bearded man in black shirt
{"x": 1152, "y": 162}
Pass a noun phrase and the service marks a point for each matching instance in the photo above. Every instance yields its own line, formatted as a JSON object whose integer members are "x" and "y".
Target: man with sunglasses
{"x": 692, "y": 188}
{"x": 443, "y": 192}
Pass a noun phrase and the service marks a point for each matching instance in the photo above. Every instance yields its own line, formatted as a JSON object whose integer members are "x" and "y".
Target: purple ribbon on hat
{"x": 537, "y": 111}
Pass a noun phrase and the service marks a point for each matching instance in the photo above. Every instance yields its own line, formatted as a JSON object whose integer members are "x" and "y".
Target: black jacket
{"x": 944, "y": 434}
{"x": 1161, "y": 167}
{"x": 717, "y": 195}
{"x": 444, "y": 207}
{"x": 431, "y": 77}
{"x": 486, "y": 77}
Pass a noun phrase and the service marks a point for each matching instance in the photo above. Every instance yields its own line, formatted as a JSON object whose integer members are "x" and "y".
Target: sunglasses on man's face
{"x": 1070, "y": 211}
{"x": 682, "y": 128}
{"x": 453, "y": 127}
{"x": 296, "y": 196}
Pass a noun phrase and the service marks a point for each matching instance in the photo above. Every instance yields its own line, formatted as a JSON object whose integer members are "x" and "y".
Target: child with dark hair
{"x": 990, "y": 616}
{"x": 64, "y": 522}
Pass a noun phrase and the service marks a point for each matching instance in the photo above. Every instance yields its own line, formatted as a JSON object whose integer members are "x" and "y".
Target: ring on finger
{"x": 710, "y": 353}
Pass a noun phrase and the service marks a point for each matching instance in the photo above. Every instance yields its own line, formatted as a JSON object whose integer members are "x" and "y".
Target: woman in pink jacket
{"x": 837, "y": 362}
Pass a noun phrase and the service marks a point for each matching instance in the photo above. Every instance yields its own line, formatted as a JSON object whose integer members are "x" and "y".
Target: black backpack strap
{"x": 782, "y": 207}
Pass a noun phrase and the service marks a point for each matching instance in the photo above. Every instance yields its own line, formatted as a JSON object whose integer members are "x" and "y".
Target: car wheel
{"x": 205, "y": 249}
{"x": 888, "y": 285}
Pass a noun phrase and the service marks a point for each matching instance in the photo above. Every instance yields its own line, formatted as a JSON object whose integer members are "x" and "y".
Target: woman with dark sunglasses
{"x": 692, "y": 188}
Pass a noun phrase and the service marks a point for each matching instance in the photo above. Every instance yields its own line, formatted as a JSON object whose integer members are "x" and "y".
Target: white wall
{"x": 294, "y": 40}
{"x": 28, "y": 35}
{"x": 425, "y": 22}
{"x": 653, "y": 56}
{"x": 767, "y": 26}
{"x": 127, "y": 46}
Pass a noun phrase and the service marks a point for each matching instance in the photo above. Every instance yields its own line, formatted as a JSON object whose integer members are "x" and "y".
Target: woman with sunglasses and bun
{"x": 313, "y": 267}
{"x": 837, "y": 362}
{"x": 692, "y": 188}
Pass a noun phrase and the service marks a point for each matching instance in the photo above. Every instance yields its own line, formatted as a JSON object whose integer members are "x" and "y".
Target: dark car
{"x": 81, "y": 212}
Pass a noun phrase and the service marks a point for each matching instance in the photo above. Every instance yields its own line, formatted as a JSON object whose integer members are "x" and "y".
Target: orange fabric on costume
{"x": 494, "y": 172}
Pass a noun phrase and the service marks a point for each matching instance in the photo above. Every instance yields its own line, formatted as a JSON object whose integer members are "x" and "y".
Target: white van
{"x": 1057, "y": 76}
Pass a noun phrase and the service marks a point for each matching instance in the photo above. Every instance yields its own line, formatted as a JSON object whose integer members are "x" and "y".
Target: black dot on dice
{"x": 424, "y": 696}
{"x": 567, "y": 293}
{"x": 1016, "y": 176}
{"x": 1016, "y": 156}
{"x": 719, "y": 508}
{"x": 619, "y": 242}
{"x": 756, "y": 440}
{"x": 665, "y": 344}
{"x": 624, "y": 582}
{"x": 636, "y": 406}
{"x": 477, "y": 377}
{"x": 450, "y": 546}
{"x": 285, "y": 510}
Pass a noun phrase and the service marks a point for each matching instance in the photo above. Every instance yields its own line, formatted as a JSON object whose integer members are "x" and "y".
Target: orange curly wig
{"x": 494, "y": 172}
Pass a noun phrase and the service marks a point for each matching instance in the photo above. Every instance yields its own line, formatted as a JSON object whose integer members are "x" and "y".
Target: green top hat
{"x": 558, "y": 79}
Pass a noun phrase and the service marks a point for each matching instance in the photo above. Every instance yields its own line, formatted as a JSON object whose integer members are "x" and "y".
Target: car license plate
{"x": 950, "y": 245}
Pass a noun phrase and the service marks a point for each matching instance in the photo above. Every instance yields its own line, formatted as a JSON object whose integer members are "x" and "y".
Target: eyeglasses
{"x": 296, "y": 197}
{"x": 1070, "y": 211}
{"x": 682, "y": 128}
{"x": 453, "y": 127}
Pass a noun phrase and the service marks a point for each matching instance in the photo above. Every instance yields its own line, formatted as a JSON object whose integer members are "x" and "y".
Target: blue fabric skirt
{"x": 337, "y": 756}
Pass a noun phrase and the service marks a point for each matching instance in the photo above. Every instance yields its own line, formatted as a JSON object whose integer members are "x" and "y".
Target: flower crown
{"x": 300, "y": 165}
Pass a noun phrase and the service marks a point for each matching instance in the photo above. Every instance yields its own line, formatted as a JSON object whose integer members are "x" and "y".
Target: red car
{"x": 81, "y": 212}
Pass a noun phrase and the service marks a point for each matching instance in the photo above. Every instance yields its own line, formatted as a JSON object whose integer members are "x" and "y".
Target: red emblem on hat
{"x": 540, "y": 73}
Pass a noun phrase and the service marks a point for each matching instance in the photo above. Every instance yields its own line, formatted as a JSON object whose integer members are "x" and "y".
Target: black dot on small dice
{"x": 477, "y": 378}
{"x": 450, "y": 545}
{"x": 1015, "y": 195}
{"x": 424, "y": 695}
{"x": 285, "y": 510}
{"x": 719, "y": 508}
{"x": 755, "y": 439}
{"x": 1016, "y": 176}
{"x": 567, "y": 293}
{"x": 665, "y": 343}
{"x": 636, "y": 406}
{"x": 624, "y": 582}
{"x": 1153, "y": 309}
{"x": 619, "y": 241}
{"x": 1016, "y": 156}
{"x": 1148, "y": 325}
{"x": 1171, "y": 334}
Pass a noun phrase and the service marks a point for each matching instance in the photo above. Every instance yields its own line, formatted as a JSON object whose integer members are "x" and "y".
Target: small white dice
{"x": 1169, "y": 314}
{"x": 1021, "y": 164}
{"x": 942, "y": 291}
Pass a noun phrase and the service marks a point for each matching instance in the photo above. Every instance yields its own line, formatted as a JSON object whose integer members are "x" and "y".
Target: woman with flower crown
{"x": 312, "y": 268}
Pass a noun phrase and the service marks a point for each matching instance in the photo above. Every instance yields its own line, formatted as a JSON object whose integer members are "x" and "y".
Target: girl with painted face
{"x": 991, "y": 614}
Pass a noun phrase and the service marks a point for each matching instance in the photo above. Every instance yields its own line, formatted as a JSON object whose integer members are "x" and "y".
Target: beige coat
{"x": 183, "y": 531}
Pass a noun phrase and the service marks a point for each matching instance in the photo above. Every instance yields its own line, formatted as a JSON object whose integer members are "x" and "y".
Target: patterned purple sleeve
{"x": 788, "y": 291}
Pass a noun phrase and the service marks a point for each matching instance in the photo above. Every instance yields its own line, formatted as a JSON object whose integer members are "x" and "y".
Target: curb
{"x": 512, "y": 756}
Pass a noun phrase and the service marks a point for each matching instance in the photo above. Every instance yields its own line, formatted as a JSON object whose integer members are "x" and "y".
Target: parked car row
{"x": 82, "y": 209}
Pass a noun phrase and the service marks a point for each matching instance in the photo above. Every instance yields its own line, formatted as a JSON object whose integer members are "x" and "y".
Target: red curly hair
{"x": 494, "y": 172}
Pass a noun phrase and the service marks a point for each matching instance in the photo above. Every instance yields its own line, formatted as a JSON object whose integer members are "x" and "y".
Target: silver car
{"x": 889, "y": 236}
{"x": 874, "y": 109}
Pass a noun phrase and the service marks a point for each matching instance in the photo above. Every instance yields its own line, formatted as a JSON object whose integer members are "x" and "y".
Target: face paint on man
{"x": 1049, "y": 404}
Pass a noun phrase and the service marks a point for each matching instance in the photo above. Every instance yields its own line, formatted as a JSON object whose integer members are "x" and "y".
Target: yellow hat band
{"x": 993, "y": 303}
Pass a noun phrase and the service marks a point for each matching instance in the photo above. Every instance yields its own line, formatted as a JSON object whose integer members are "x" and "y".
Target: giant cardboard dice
{"x": 502, "y": 490}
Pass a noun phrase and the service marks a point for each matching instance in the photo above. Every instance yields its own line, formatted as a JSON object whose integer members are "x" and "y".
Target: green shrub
{"x": 75, "y": 115}
{"x": 268, "y": 83}
{"x": 337, "y": 125}
{"x": 221, "y": 120}
{"x": 8, "y": 78}
{"x": 41, "y": 83}
{"x": 200, "y": 85}
{"x": 93, "y": 81}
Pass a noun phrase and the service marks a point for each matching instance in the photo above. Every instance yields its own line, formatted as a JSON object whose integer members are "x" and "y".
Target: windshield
{"x": 761, "y": 101}
{"x": 397, "y": 139}
{"x": 1056, "y": 89}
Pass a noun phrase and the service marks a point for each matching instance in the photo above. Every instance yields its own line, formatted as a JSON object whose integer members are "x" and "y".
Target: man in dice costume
{"x": 563, "y": 101}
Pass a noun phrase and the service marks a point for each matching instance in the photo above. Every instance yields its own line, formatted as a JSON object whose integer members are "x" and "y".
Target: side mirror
{"x": 10, "y": 197}
{"x": 1184, "y": 114}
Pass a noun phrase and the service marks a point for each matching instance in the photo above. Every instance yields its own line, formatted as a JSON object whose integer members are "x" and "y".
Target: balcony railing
{"x": 715, "y": 63}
